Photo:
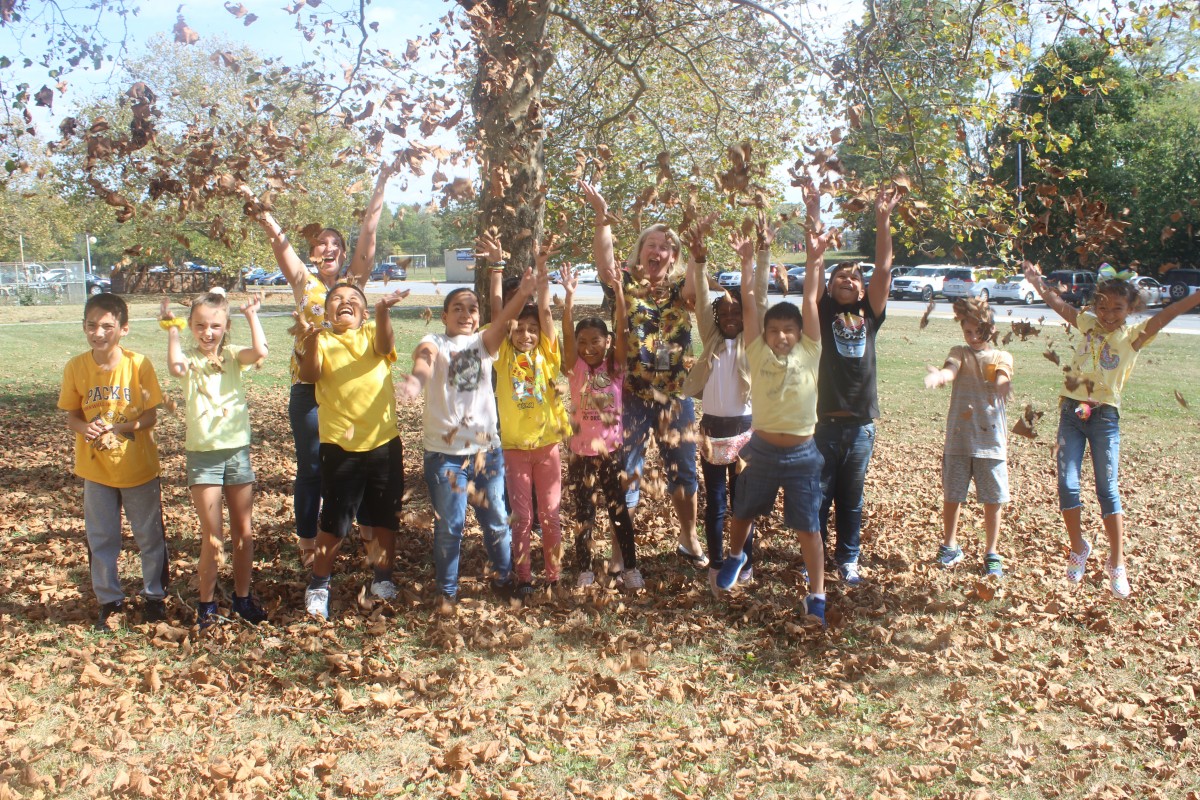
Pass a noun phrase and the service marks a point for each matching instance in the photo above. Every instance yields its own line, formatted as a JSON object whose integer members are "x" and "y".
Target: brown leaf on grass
{"x": 925, "y": 317}
{"x": 92, "y": 676}
{"x": 1179, "y": 398}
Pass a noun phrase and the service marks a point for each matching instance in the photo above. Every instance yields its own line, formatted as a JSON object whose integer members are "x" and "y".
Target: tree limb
{"x": 593, "y": 36}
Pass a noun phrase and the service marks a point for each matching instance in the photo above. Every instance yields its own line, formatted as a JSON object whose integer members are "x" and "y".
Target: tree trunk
{"x": 506, "y": 99}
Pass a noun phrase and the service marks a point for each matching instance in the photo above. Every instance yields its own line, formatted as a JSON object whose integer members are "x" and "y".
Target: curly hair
{"x": 977, "y": 310}
{"x": 1118, "y": 289}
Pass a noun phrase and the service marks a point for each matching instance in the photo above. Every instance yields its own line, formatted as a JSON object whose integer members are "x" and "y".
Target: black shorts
{"x": 370, "y": 483}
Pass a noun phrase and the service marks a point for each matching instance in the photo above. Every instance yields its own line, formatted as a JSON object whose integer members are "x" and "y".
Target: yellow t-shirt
{"x": 356, "y": 400}
{"x": 119, "y": 395}
{"x": 312, "y": 311}
{"x": 1103, "y": 359}
{"x": 217, "y": 415}
{"x": 531, "y": 409}
{"x": 783, "y": 390}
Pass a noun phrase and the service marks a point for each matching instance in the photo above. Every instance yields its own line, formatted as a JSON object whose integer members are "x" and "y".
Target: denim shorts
{"x": 796, "y": 470}
{"x": 219, "y": 467}
{"x": 990, "y": 474}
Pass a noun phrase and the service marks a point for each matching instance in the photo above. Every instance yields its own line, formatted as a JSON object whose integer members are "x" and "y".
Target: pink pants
{"x": 527, "y": 471}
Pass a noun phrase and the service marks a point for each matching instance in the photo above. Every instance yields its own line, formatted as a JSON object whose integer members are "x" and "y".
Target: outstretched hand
{"x": 935, "y": 378}
{"x": 487, "y": 246}
{"x": 251, "y": 306}
{"x": 697, "y": 234}
{"x": 390, "y": 300}
{"x": 886, "y": 201}
{"x": 742, "y": 245}
{"x": 164, "y": 309}
{"x": 569, "y": 280}
{"x": 594, "y": 199}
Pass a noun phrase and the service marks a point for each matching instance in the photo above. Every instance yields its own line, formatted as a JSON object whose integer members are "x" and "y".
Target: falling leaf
{"x": 184, "y": 34}
{"x": 925, "y": 317}
{"x": 1179, "y": 398}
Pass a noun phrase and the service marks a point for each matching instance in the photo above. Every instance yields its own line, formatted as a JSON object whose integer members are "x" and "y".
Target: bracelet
{"x": 179, "y": 323}
{"x": 496, "y": 269}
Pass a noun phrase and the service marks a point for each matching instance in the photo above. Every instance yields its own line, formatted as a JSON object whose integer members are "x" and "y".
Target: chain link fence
{"x": 48, "y": 283}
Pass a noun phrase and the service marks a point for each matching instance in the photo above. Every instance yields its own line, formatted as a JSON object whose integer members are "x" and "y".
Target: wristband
{"x": 179, "y": 323}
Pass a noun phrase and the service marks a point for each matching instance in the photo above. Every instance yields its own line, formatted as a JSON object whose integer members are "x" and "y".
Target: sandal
{"x": 697, "y": 560}
{"x": 308, "y": 552}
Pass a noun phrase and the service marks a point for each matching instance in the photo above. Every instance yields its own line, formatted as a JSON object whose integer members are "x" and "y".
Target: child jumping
{"x": 976, "y": 431}
{"x": 1089, "y": 408}
{"x": 594, "y": 361}
{"x": 532, "y": 422}
{"x": 721, "y": 378}
{"x": 362, "y": 461}
{"x": 784, "y": 351}
{"x": 111, "y": 397}
{"x": 462, "y": 444}
{"x": 217, "y": 444}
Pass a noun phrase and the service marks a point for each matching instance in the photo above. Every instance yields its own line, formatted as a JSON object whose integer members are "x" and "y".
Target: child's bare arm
{"x": 1164, "y": 317}
{"x": 89, "y": 430}
{"x": 752, "y": 319}
{"x": 620, "y": 323}
{"x": 816, "y": 241}
{"x": 940, "y": 377}
{"x": 176, "y": 361}
{"x": 257, "y": 350}
{"x": 308, "y": 356}
{"x": 487, "y": 247}
{"x": 412, "y": 385}
{"x": 498, "y": 330}
{"x": 144, "y": 421}
{"x": 542, "y": 275}
{"x": 385, "y": 339}
{"x": 881, "y": 279}
{"x": 569, "y": 355}
{"x": 1052, "y": 299}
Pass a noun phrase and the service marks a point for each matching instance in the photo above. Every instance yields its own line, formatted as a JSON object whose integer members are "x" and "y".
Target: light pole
{"x": 88, "y": 241}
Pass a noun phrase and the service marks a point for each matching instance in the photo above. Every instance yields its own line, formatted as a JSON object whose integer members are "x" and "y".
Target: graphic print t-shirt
{"x": 1104, "y": 360}
{"x": 460, "y": 408}
{"x": 848, "y": 358}
{"x": 530, "y": 407}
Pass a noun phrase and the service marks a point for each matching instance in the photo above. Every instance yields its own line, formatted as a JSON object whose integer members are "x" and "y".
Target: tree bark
{"x": 513, "y": 58}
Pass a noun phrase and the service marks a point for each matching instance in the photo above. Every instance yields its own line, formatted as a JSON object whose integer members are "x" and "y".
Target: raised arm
{"x": 697, "y": 279}
{"x": 385, "y": 339}
{"x": 411, "y": 387}
{"x": 176, "y": 361}
{"x": 881, "y": 279}
{"x": 1052, "y": 299}
{"x": 602, "y": 243}
{"x": 257, "y": 350}
{"x": 541, "y": 260}
{"x": 752, "y": 319}
{"x": 566, "y": 277}
{"x": 487, "y": 247}
{"x": 762, "y": 275}
{"x": 620, "y": 324}
{"x": 285, "y": 255}
{"x": 495, "y": 333}
{"x": 698, "y": 251}
{"x": 1164, "y": 317}
{"x": 816, "y": 240}
{"x": 940, "y": 377}
{"x": 364, "y": 248}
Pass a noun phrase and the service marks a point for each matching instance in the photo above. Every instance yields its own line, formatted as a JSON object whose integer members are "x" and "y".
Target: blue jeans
{"x": 720, "y": 482}
{"x": 846, "y": 448}
{"x": 676, "y": 442}
{"x": 1103, "y": 433}
{"x": 306, "y": 490}
{"x": 447, "y": 477}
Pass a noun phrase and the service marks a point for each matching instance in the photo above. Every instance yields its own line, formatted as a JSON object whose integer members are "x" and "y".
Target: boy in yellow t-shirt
{"x": 111, "y": 397}
{"x": 361, "y": 457}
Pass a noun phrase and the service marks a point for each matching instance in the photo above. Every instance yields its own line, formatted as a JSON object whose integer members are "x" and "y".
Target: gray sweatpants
{"x": 102, "y": 522}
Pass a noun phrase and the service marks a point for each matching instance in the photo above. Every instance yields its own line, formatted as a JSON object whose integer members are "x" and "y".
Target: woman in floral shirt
{"x": 327, "y": 252}
{"x": 660, "y": 296}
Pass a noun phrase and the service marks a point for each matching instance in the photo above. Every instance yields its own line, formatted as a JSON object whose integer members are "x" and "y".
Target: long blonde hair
{"x": 634, "y": 263}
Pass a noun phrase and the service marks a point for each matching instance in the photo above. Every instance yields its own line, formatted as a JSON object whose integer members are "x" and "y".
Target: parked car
{"x": 276, "y": 278}
{"x": 968, "y": 282}
{"x": 255, "y": 276}
{"x": 923, "y": 282}
{"x": 391, "y": 272}
{"x": 795, "y": 279}
{"x": 586, "y": 276}
{"x": 97, "y": 285}
{"x": 731, "y": 279}
{"x": 1180, "y": 283}
{"x": 1014, "y": 289}
{"x": 1152, "y": 292}
{"x": 1075, "y": 286}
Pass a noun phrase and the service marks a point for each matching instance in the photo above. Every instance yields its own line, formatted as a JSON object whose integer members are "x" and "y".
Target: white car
{"x": 586, "y": 276}
{"x": 1014, "y": 289}
{"x": 1153, "y": 293}
{"x": 967, "y": 282}
{"x": 921, "y": 282}
{"x": 730, "y": 279}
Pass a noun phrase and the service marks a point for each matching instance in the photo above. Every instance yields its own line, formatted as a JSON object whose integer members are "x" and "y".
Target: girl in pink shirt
{"x": 592, "y": 359}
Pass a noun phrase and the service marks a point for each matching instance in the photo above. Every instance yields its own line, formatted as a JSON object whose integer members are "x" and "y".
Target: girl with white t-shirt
{"x": 462, "y": 440}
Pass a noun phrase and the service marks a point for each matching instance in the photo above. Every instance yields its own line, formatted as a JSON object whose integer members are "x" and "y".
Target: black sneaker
{"x": 248, "y": 609}
{"x": 206, "y": 614}
{"x": 524, "y": 592}
{"x": 503, "y": 589}
{"x": 154, "y": 610}
{"x": 107, "y": 610}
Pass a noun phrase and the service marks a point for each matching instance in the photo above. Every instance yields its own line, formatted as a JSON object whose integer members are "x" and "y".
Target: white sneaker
{"x": 586, "y": 578}
{"x": 384, "y": 590}
{"x": 1118, "y": 583}
{"x": 746, "y": 575}
{"x": 633, "y": 580}
{"x": 316, "y": 602}
{"x": 1077, "y": 563}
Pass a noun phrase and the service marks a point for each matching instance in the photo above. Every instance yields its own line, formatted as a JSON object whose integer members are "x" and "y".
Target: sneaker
{"x": 206, "y": 614}
{"x": 746, "y": 576}
{"x": 447, "y": 605}
{"x": 248, "y": 609}
{"x": 154, "y": 610}
{"x": 849, "y": 573}
{"x": 949, "y": 556}
{"x": 633, "y": 580}
{"x": 730, "y": 569}
{"x": 1118, "y": 583}
{"x": 1077, "y": 563}
{"x": 384, "y": 590}
{"x": 586, "y": 578}
{"x": 814, "y": 607}
{"x": 993, "y": 566}
{"x": 524, "y": 591}
{"x": 316, "y": 602}
{"x": 107, "y": 610}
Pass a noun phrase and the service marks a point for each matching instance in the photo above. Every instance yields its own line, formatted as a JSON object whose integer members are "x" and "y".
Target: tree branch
{"x": 593, "y": 36}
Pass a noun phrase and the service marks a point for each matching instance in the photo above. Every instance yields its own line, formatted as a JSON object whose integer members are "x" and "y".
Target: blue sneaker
{"x": 815, "y": 607}
{"x": 730, "y": 569}
{"x": 947, "y": 557}
{"x": 849, "y": 573}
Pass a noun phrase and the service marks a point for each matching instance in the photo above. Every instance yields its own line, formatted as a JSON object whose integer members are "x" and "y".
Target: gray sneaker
{"x": 849, "y": 573}
{"x": 949, "y": 556}
{"x": 316, "y": 602}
